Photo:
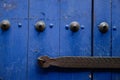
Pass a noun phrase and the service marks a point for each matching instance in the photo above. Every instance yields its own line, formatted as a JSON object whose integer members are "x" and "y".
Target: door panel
{"x": 116, "y": 34}
{"x": 75, "y": 43}
{"x": 22, "y": 44}
{"x": 46, "y": 42}
{"x": 13, "y": 42}
{"x": 102, "y": 41}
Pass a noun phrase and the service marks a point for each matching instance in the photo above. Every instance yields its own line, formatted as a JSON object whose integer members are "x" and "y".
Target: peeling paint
{"x": 8, "y": 6}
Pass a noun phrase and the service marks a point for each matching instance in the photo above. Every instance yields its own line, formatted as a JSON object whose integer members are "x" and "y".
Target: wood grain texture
{"x": 46, "y": 42}
{"x": 102, "y": 42}
{"x": 115, "y": 34}
{"x": 21, "y": 46}
{"x": 13, "y": 42}
{"x": 75, "y": 43}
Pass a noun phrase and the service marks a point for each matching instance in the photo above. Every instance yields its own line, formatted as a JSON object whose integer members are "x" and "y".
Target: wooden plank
{"x": 13, "y": 42}
{"x": 116, "y": 34}
{"x": 75, "y": 43}
{"x": 43, "y": 43}
{"x": 102, "y": 42}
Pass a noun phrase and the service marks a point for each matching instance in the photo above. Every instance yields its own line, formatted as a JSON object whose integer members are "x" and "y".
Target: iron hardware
{"x": 103, "y": 27}
{"x": 40, "y": 26}
{"x": 74, "y": 26}
{"x": 5, "y": 25}
{"x": 80, "y": 62}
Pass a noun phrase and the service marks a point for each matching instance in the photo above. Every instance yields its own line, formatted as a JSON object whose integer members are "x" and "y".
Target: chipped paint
{"x": 8, "y": 6}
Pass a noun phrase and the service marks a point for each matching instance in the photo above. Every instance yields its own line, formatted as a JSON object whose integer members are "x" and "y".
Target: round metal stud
{"x": 5, "y": 25}
{"x": 40, "y": 26}
{"x": 51, "y": 25}
{"x": 103, "y": 27}
{"x": 74, "y": 26}
{"x": 66, "y": 27}
{"x": 19, "y": 25}
{"x": 114, "y": 28}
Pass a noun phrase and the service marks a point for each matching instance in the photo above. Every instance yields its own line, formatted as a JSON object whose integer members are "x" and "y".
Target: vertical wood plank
{"x": 102, "y": 42}
{"x": 75, "y": 43}
{"x": 43, "y": 43}
{"x": 13, "y": 42}
{"x": 116, "y": 34}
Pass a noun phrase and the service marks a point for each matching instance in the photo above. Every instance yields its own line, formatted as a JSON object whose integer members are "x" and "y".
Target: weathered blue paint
{"x": 102, "y": 42}
{"x": 75, "y": 43}
{"x": 116, "y": 34}
{"x": 21, "y": 45}
{"x": 46, "y": 42}
{"x": 13, "y": 42}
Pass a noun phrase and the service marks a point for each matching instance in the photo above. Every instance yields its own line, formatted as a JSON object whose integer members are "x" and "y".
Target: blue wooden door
{"x": 22, "y": 43}
{"x": 106, "y": 44}
{"x": 75, "y": 43}
{"x": 115, "y": 40}
{"x": 13, "y": 42}
{"x": 58, "y": 40}
{"x": 46, "y": 42}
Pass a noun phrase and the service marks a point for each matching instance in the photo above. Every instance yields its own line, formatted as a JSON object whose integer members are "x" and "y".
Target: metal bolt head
{"x": 74, "y": 26}
{"x": 51, "y": 25}
{"x": 114, "y": 28}
{"x": 19, "y": 25}
{"x": 103, "y": 27}
{"x": 82, "y": 27}
{"x": 5, "y": 25}
{"x": 66, "y": 27}
{"x": 40, "y": 26}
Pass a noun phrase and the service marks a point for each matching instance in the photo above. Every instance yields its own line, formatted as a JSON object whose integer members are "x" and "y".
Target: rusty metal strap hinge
{"x": 80, "y": 62}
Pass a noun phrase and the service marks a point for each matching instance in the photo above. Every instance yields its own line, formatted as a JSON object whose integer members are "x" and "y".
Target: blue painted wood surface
{"x": 102, "y": 42}
{"x": 21, "y": 46}
{"x": 13, "y": 42}
{"x": 75, "y": 43}
{"x": 43, "y": 43}
{"x": 116, "y": 34}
